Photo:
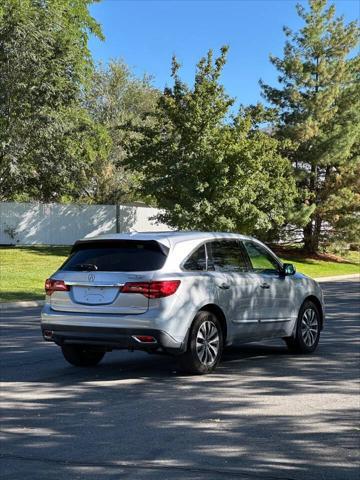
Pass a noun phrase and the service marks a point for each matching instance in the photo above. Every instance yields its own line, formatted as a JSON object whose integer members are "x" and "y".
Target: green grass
{"x": 23, "y": 270}
{"x": 323, "y": 268}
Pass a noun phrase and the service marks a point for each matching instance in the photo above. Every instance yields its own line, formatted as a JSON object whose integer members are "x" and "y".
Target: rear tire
{"x": 307, "y": 334}
{"x": 205, "y": 345}
{"x": 81, "y": 356}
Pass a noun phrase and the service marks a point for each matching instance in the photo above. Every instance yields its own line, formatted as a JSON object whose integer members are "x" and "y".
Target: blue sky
{"x": 146, "y": 33}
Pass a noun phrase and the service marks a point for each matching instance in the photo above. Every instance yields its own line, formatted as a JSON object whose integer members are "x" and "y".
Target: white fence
{"x": 57, "y": 224}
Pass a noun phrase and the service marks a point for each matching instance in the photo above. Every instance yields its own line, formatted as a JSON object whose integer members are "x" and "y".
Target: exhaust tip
{"x": 144, "y": 338}
{"x": 48, "y": 334}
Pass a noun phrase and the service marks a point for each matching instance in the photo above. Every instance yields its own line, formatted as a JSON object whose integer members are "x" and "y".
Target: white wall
{"x": 56, "y": 224}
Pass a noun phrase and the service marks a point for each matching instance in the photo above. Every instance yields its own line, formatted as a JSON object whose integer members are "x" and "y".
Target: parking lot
{"x": 263, "y": 414}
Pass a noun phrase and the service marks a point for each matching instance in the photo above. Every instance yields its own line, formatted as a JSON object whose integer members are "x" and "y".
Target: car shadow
{"x": 264, "y": 413}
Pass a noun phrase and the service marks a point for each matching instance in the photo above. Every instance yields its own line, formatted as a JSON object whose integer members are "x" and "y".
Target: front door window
{"x": 261, "y": 260}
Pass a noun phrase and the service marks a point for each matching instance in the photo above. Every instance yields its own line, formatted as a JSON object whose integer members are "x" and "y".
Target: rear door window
{"x": 196, "y": 261}
{"x": 116, "y": 256}
{"x": 226, "y": 256}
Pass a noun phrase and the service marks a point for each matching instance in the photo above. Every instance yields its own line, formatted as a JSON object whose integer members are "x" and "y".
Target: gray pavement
{"x": 263, "y": 414}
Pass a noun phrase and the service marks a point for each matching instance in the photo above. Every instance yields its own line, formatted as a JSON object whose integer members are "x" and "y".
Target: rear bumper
{"x": 109, "y": 338}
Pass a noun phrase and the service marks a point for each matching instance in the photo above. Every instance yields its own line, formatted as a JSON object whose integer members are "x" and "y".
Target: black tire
{"x": 190, "y": 361}
{"x": 81, "y": 356}
{"x": 305, "y": 341}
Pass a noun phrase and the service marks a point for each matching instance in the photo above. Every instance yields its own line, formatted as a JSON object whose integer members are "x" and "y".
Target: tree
{"x": 49, "y": 144}
{"x": 318, "y": 103}
{"x": 206, "y": 169}
{"x": 118, "y": 101}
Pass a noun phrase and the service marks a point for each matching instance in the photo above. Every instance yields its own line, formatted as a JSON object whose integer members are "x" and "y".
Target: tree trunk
{"x": 308, "y": 237}
{"x": 312, "y": 232}
{"x": 317, "y": 233}
{"x": 312, "y": 229}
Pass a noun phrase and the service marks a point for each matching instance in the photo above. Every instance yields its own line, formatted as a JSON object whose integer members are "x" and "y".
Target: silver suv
{"x": 184, "y": 293}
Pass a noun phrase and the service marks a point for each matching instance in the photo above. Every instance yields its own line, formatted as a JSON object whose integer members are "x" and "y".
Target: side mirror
{"x": 288, "y": 269}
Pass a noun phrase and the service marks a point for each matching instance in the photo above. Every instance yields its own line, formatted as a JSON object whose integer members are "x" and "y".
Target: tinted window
{"x": 197, "y": 261}
{"x": 260, "y": 259}
{"x": 226, "y": 256}
{"x": 116, "y": 256}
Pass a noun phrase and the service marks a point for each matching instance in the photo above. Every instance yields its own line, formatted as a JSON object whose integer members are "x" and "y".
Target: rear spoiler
{"x": 90, "y": 243}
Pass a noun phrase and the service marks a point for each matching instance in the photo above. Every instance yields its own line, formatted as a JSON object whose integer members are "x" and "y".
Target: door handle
{"x": 264, "y": 285}
{"x": 224, "y": 286}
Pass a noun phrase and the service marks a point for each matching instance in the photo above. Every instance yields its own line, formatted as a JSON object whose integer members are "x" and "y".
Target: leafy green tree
{"x": 318, "y": 101}
{"x": 206, "y": 169}
{"x": 118, "y": 101}
{"x": 49, "y": 144}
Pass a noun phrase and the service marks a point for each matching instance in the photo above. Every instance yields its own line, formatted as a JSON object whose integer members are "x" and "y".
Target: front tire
{"x": 205, "y": 345}
{"x": 81, "y": 356}
{"x": 307, "y": 334}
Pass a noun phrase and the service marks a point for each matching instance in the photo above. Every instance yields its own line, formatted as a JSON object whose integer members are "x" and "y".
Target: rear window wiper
{"x": 85, "y": 266}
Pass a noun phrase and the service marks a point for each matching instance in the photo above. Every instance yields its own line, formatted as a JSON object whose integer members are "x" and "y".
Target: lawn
{"x": 315, "y": 267}
{"x": 23, "y": 270}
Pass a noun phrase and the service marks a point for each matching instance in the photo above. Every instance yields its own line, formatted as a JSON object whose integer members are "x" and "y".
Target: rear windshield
{"x": 116, "y": 256}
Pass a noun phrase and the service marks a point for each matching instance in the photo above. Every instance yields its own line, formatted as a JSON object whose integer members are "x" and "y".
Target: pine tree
{"x": 318, "y": 102}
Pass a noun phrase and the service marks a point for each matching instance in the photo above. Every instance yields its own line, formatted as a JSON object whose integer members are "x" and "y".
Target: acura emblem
{"x": 91, "y": 277}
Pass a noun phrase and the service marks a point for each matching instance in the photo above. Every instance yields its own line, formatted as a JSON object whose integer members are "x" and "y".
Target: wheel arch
{"x": 217, "y": 311}
{"x": 316, "y": 301}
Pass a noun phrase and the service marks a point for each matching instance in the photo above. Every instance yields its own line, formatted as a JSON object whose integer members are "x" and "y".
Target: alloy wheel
{"x": 309, "y": 327}
{"x": 207, "y": 343}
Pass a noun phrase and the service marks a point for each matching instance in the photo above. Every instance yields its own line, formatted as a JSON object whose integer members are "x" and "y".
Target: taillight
{"x": 156, "y": 289}
{"x": 52, "y": 286}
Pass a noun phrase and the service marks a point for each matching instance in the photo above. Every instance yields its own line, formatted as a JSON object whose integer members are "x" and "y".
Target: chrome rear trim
{"x": 92, "y": 284}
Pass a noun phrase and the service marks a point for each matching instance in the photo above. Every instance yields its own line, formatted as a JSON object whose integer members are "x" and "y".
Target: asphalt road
{"x": 263, "y": 414}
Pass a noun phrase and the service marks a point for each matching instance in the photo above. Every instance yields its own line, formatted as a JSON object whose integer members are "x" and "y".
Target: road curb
{"x": 22, "y": 304}
{"x": 355, "y": 276}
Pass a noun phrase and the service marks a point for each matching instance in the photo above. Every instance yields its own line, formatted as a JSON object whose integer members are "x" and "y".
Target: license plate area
{"x": 94, "y": 295}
